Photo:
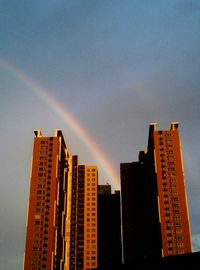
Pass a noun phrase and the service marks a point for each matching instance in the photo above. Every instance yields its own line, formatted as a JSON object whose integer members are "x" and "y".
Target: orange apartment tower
{"x": 45, "y": 235}
{"x": 172, "y": 199}
{"x": 61, "y": 230}
{"x": 87, "y": 218}
{"x": 155, "y": 217}
{"x": 81, "y": 250}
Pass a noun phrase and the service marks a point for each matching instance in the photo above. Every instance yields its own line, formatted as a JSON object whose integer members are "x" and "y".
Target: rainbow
{"x": 67, "y": 117}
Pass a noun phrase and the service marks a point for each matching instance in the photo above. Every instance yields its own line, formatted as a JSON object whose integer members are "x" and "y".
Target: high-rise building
{"x": 140, "y": 218}
{"x": 71, "y": 215}
{"x": 62, "y": 213}
{"x": 45, "y": 235}
{"x": 155, "y": 214}
{"x": 109, "y": 229}
{"x": 90, "y": 176}
{"x": 81, "y": 226}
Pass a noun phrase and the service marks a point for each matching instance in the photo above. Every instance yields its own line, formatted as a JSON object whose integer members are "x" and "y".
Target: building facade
{"x": 87, "y": 239}
{"x": 155, "y": 214}
{"x": 81, "y": 226}
{"x": 172, "y": 199}
{"x": 61, "y": 231}
{"x": 45, "y": 233}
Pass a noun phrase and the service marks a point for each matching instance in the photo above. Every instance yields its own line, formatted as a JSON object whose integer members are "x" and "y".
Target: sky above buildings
{"x": 100, "y": 71}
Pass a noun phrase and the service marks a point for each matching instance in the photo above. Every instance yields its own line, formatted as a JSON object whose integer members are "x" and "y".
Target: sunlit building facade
{"x": 46, "y": 217}
{"x": 89, "y": 176}
{"x": 61, "y": 229}
{"x": 172, "y": 199}
{"x": 82, "y": 236}
{"x": 154, "y": 203}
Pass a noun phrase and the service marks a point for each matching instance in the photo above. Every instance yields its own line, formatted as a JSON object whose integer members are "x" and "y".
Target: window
{"x": 38, "y": 203}
{"x": 38, "y": 222}
{"x": 170, "y": 152}
{"x": 173, "y": 186}
{"x": 40, "y": 180}
{"x": 174, "y": 199}
{"x": 176, "y": 211}
{"x": 177, "y": 224}
{"x": 171, "y": 163}
{"x": 173, "y": 180}
{"x": 170, "y": 157}
{"x": 38, "y": 210}
{"x": 175, "y": 205}
{"x": 169, "y": 145}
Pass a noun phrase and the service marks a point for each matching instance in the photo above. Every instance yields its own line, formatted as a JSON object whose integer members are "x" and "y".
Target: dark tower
{"x": 109, "y": 229}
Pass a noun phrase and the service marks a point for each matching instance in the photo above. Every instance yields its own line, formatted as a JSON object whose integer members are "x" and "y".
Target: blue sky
{"x": 115, "y": 66}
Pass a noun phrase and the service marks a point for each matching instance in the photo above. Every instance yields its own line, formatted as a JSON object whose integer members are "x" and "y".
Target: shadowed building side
{"x": 109, "y": 228}
{"x": 140, "y": 223}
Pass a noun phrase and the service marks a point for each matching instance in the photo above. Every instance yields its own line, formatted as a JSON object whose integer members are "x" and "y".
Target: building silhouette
{"x": 109, "y": 229}
{"x": 155, "y": 218}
